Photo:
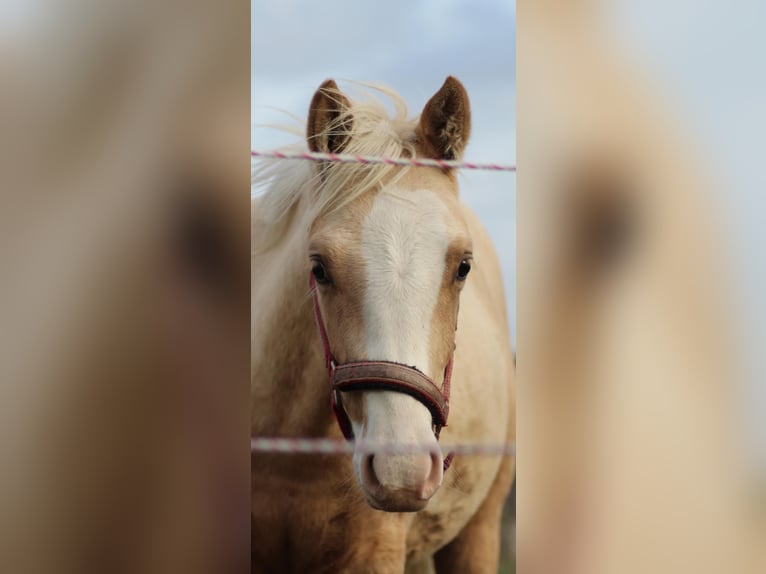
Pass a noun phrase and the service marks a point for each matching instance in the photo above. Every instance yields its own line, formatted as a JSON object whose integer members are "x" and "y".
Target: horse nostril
{"x": 434, "y": 478}
{"x": 369, "y": 477}
{"x": 436, "y": 460}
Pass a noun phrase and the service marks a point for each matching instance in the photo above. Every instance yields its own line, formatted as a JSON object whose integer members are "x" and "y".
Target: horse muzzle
{"x": 383, "y": 376}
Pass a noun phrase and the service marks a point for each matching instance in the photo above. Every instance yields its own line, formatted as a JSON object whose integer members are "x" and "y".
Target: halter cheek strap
{"x": 329, "y": 360}
{"x": 381, "y": 375}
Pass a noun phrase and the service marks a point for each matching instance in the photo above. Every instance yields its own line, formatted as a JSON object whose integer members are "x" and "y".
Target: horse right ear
{"x": 329, "y": 125}
{"x": 445, "y": 123}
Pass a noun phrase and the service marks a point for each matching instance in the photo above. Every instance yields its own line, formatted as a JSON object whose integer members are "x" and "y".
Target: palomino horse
{"x": 387, "y": 252}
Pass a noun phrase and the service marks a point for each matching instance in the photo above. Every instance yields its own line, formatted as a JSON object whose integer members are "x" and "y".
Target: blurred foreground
{"x": 630, "y": 455}
{"x": 125, "y": 303}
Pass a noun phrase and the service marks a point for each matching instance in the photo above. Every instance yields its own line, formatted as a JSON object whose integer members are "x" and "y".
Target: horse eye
{"x": 320, "y": 273}
{"x": 463, "y": 270}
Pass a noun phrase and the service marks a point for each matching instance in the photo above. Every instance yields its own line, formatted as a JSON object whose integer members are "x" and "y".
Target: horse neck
{"x": 290, "y": 393}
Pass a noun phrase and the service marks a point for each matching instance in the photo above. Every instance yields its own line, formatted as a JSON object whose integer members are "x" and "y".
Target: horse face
{"x": 390, "y": 269}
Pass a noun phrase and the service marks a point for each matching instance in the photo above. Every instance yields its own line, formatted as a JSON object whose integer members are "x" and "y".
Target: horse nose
{"x": 415, "y": 476}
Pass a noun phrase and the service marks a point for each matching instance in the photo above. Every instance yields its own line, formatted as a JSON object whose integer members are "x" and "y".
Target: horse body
{"x": 309, "y": 514}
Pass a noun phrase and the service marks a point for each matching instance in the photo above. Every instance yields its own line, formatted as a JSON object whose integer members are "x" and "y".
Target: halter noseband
{"x": 381, "y": 375}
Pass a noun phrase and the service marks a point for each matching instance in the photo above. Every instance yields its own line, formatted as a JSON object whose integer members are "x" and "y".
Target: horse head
{"x": 387, "y": 269}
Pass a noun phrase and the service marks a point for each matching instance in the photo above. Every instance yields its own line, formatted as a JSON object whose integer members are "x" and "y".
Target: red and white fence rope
{"x": 339, "y": 446}
{"x": 365, "y": 159}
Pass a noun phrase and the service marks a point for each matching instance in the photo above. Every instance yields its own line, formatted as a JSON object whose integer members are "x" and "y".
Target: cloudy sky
{"x": 411, "y": 46}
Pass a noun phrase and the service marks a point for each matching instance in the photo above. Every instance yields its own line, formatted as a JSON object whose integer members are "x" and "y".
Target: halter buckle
{"x": 330, "y": 366}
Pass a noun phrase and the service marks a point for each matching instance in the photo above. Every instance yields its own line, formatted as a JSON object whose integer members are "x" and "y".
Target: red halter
{"x": 381, "y": 375}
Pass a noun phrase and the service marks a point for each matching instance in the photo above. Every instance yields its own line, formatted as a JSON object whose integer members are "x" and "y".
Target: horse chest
{"x": 465, "y": 487}
{"x": 312, "y": 518}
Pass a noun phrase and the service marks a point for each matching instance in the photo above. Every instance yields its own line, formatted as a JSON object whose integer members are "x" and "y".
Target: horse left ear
{"x": 445, "y": 123}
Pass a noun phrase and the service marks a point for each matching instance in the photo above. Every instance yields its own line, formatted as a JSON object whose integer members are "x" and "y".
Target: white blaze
{"x": 404, "y": 244}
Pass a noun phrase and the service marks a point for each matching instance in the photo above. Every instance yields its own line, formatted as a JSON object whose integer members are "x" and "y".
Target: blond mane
{"x": 278, "y": 185}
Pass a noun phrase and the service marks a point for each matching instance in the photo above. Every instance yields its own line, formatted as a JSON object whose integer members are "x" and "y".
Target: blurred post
{"x": 629, "y": 459}
{"x": 124, "y": 361}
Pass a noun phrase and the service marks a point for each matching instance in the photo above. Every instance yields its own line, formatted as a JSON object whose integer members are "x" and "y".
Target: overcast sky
{"x": 411, "y": 46}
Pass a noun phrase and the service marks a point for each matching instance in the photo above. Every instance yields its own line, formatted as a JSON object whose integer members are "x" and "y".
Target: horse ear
{"x": 329, "y": 125}
{"x": 445, "y": 123}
